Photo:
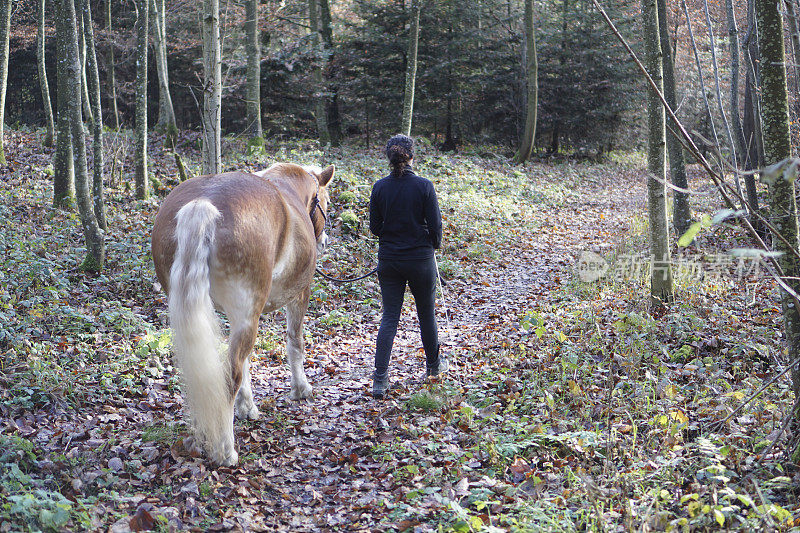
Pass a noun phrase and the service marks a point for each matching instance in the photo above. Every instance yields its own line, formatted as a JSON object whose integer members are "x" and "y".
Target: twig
{"x": 290, "y": 21}
{"x": 764, "y": 505}
{"x": 759, "y": 391}
{"x": 700, "y": 76}
{"x": 784, "y": 425}
{"x": 668, "y": 184}
{"x": 691, "y": 147}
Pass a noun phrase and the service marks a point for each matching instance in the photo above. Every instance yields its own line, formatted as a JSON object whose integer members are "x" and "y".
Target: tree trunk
{"x": 166, "y": 113}
{"x": 320, "y": 108}
{"x": 63, "y": 167}
{"x": 366, "y": 123}
{"x": 251, "y": 29}
{"x": 555, "y": 139}
{"x": 701, "y": 78}
{"x": 751, "y": 159}
{"x": 681, "y": 212}
{"x": 783, "y": 206}
{"x": 111, "y": 78}
{"x": 87, "y": 107}
{"x": 50, "y": 128}
{"x": 91, "y": 230}
{"x": 411, "y": 68}
{"x": 751, "y": 124}
{"x": 93, "y": 78}
{"x": 722, "y": 114}
{"x": 140, "y": 171}
{"x": 661, "y": 275}
{"x": 334, "y": 117}
{"x": 532, "y": 77}
{"x": 212, "y": 89}
{"x": 794, "y": 32}
{"x": 736, "y": 120}
{"x": 5, "y": 28}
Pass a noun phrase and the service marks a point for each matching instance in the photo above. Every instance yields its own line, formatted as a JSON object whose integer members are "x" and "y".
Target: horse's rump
{"x": 241, "y": 243}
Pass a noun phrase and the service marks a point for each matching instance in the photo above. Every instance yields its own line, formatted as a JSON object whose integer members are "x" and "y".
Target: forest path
{"x": 324, "y": 474}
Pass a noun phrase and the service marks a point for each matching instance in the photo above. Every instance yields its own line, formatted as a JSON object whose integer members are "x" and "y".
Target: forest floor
{"x": 568, "y": 405}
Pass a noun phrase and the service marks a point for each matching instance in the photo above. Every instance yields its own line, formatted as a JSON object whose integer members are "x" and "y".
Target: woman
{"x": 404, "y": 215}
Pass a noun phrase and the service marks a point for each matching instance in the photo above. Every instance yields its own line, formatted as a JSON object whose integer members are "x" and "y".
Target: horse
{"x": 244, "y": 244}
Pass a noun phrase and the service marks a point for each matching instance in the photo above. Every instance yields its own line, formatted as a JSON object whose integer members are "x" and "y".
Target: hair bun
{"x": 400, "y": 144}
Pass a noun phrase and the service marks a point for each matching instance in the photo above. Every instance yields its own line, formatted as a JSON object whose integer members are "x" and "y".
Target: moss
{"x": 349, "y": 219}
{"x": 171, "y": 136}
{"x": 256, "y": 146}
{"x": 90, "y": 264}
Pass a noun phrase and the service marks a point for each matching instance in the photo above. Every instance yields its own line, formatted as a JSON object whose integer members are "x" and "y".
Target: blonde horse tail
{"x": 196, "y": 331}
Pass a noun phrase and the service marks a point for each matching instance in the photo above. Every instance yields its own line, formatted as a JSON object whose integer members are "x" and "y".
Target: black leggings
{"x": 420, "y": 274}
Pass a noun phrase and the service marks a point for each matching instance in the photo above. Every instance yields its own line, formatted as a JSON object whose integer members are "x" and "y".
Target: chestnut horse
{"x": 244, "y": 244}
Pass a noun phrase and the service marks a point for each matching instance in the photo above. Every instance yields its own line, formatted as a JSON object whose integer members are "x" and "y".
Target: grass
{"x": 160, "y": 433}
{"x": 425, "y": 401}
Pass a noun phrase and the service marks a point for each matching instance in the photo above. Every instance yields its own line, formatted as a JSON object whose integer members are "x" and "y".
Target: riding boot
{"x": 438, "y": 364}
{"x": 380, "y": 384}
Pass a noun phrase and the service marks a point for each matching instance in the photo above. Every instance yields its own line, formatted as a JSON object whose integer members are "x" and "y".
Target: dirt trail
{"x": 341, "y": 461}
{"x": 320, "y": 476}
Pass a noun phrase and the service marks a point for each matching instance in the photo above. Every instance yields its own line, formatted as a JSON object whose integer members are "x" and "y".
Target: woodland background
{"x": 613, "y": 404}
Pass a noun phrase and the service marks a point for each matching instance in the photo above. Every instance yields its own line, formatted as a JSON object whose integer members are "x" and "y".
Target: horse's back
{"x": 250, "y": 230}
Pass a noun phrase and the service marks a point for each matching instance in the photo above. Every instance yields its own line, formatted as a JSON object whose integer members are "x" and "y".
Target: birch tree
{"x": 63, "y": 166}
{"x": 166, "y": 113}
{"x": 50, "y": 133}
{"x": 681, "y": 212}
{"x": 92, "y": 233}
{"x": 93, "y": 79}
{"x": 212, "y": 89}
{"x": 661, "y": 273}
{"x": 111, "y": 78}
{"x": 320, "y": 108}
{"x": 5, "y": 31}
{"x": 411, "y": 68}
{"x": 251, "y": 30}
{"x": 783, "y": 206}
{"x": 140, "y": 170}
{"x": 87, "y": 107}
{"x": 532, "y": 87}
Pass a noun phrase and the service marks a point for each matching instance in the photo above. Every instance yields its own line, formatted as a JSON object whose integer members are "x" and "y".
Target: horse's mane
{"x": 292, "y": 170}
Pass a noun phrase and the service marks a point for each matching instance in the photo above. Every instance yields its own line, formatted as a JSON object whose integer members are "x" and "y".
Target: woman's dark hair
{"x": 399, "y": 151}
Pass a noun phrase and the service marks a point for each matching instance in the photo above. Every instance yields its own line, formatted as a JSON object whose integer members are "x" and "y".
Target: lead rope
{"x": 348, "y": 280}
{"x": 441, "y": 292}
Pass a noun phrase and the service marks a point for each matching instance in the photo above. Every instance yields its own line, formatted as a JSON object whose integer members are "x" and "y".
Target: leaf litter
{"x": 567, "y": 406}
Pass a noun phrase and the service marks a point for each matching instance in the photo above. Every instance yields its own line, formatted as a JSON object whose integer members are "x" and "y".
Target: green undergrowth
{"x": 609, "y": 413}
{"x": 598, "y": 412}
{"x": 29, "y": 500}
{"x": 614, "y": 414}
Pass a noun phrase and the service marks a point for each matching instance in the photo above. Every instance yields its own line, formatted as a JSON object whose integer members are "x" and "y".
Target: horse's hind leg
{"x": 295, "y": 311}
{"x": 245, "y": 407}
{"x": 243, "y": 312}
{"x": 241, "y": 340}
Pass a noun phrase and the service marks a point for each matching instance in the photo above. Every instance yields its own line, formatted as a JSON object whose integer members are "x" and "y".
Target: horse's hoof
{"x": 247, "y": 413}
{"x": 230, "y": 458}
{"x": 301, "y": 392}
{"x": 192, "y": 445}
